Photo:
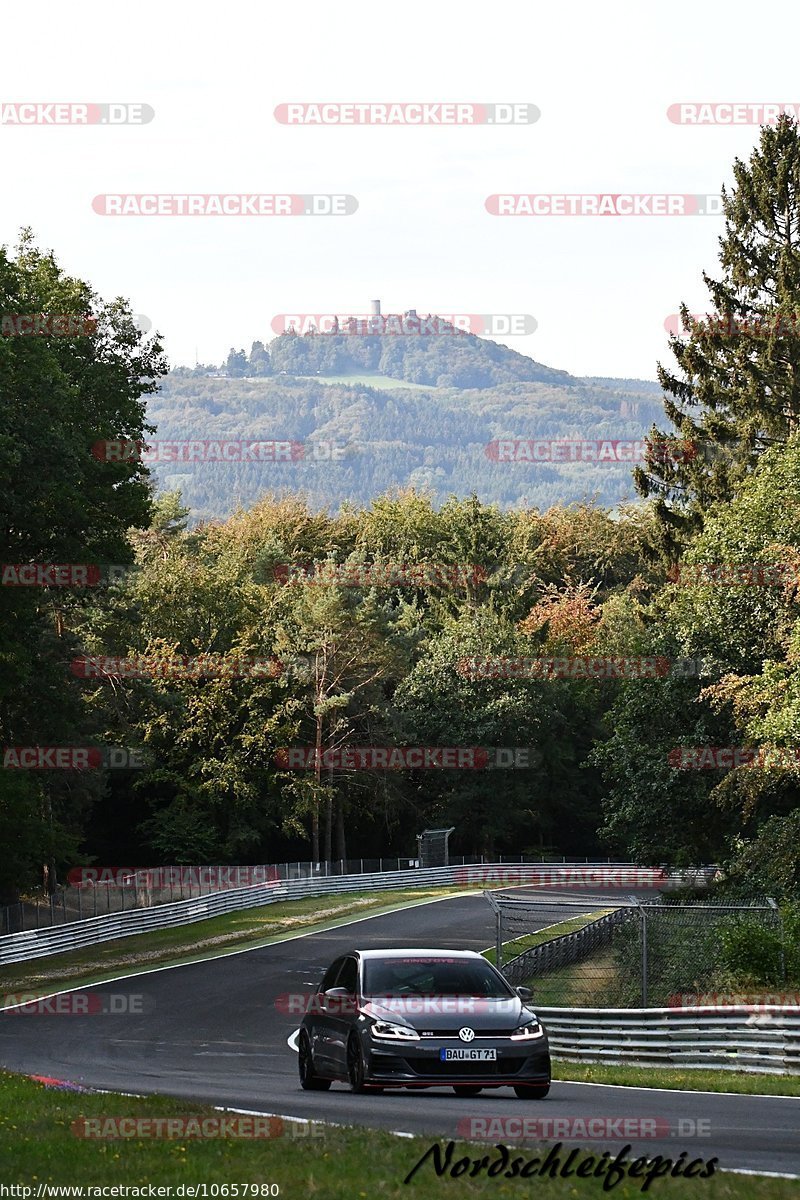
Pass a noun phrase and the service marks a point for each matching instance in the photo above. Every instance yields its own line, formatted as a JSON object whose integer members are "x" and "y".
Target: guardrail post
{"x": 644, "y": 957}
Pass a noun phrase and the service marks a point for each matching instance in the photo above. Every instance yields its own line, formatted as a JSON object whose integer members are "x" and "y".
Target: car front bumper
{"x": 420, "y": 1063}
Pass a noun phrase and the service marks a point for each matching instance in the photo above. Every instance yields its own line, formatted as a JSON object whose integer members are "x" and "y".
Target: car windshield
{"x": 432, "y": 977}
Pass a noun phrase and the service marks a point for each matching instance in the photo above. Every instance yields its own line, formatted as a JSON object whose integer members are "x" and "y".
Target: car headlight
{"x": 393, "y": 1033}
{"x": 527, "y": 1032}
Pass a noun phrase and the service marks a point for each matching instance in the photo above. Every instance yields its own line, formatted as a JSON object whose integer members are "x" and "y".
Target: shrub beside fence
{"x": 641, "y": 953}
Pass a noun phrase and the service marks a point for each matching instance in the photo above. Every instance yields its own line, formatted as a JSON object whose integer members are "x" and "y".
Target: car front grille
{"x": 479, "y": 1036}
{"x": 434, "y": 1066}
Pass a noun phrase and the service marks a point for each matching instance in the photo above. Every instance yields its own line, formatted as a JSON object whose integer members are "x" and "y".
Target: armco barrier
{"x": 75, "y": 935}
{"x": 737, "y": 1038}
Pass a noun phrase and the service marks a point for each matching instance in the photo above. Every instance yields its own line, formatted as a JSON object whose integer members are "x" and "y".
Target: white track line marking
{"x": 642, "y": 1087}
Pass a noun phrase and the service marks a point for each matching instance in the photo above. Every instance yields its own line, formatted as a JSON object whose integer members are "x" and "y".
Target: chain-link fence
{"x": 623, "y": 953}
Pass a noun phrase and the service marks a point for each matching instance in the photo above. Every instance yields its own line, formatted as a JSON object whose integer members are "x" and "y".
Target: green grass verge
{"x": 528, "y": 940}
{"x": 699, "y": 1080}
{"x": 586, "y": 984}
{"x": 246, "y": 929}
{"x": 38, "y": 1146}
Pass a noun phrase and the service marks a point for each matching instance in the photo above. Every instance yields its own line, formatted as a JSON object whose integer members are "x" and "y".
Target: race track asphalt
{"x": 212, "y": 1032}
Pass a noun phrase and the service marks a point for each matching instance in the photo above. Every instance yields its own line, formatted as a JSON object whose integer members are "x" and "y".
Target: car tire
{"x": 355, "y": 1065}
{"x": 309, "y": 1080}
{"x": 529, "y": 1092}
{"x": 469, "y": 1090}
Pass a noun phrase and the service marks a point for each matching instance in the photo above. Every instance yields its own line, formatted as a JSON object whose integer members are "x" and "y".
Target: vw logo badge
{"x": 466, "y": 1034}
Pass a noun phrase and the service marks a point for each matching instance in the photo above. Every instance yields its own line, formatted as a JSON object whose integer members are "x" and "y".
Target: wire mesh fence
{"x": 623, "y": 953}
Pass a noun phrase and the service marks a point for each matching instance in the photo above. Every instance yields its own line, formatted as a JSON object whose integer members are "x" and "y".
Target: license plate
{"x": 468, "y": 1055}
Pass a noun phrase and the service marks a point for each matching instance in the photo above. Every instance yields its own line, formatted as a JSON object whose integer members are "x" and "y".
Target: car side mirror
{"x": 339, "y": 1000}
{"x": 524, "y": 993}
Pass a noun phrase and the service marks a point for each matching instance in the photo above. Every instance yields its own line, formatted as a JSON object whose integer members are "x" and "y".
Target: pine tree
{"x": 737, "y": 388}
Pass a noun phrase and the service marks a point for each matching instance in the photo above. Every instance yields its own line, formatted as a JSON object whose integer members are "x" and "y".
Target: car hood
{"x": 448, "y": 1014}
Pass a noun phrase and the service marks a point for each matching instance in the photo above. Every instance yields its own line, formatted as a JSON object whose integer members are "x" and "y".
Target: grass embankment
{"x": 38, "y": 1146}
{"x": 243, "y": 930}
{"x": 695, "y": 1080}
{"x": 528, "y": 940}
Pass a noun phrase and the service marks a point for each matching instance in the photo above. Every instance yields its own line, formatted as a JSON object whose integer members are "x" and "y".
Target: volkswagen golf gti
{"x": 422, "y": 1018}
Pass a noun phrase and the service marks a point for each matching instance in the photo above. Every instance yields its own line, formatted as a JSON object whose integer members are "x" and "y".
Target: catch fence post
{"x": 773, "y": 904}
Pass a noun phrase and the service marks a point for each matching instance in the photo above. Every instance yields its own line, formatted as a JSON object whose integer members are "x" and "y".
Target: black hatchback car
{"x": 422, "y": 1018}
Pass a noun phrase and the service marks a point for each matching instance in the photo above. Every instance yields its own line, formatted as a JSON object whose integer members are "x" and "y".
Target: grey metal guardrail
{"x": 749, "y": 1038}
{"x": 75, "y": 935}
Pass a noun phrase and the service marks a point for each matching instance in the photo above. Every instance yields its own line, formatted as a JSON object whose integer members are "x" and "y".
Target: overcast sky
{"x": 603, "y": 77}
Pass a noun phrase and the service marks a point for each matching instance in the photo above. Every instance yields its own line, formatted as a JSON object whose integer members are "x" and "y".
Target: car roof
{"x": 413, "y": 952}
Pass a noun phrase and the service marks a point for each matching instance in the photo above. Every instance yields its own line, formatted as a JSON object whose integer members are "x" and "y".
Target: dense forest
{"x": 439, "y": 441}
{"x": 640, "y": 664}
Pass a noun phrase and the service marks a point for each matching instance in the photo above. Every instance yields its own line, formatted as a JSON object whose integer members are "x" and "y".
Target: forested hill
{"x": 370, "y": 419}
{"x": 452, "y": 359}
